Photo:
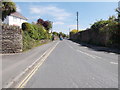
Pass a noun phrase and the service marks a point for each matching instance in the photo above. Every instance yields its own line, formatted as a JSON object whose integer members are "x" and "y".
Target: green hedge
{"x": 28, "y": 42}
{"x": 32, "y": 34}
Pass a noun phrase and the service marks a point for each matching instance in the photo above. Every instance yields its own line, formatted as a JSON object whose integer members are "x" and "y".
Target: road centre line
{"x": 28, "y": 77}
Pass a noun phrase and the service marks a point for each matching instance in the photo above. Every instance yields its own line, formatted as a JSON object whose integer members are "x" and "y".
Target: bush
{"x": 74, "y": 31}
{"x": 32, "y": 34}
{"x": 36, "y": 31}
{"x": 26, "y": 26}
{"x": 28, "y": 42}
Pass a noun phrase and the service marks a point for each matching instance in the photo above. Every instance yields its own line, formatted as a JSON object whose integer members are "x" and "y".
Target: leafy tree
{"x": 55, "y": 33}
{"x": 7, "y": 8}
{"x": 40, "y": 21}
{"x": 47, "y": 25}
{"x": 62, "y": 34}
{"x": 118, "y": 10}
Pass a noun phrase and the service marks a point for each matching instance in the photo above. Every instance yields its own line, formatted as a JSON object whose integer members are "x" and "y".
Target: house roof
{"x": 17, "y": 14}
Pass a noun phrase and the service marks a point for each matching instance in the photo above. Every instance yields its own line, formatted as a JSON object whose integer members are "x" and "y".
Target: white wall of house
{"x": 12, "y": 20}
{"x": 6, "y": 21}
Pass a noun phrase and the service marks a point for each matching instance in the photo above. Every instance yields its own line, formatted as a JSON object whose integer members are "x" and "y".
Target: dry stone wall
{"x": 11, "y": 39}
{"x": 92, "y": 37}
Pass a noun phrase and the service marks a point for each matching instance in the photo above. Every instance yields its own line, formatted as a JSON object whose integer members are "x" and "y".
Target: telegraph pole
{"x": 77, "y": 22}
{"x": 69, "y": 32}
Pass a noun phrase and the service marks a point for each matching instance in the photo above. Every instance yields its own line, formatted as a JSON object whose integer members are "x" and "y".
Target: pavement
{"x": 72, "y": 65}
{"x": 14, "y": 64}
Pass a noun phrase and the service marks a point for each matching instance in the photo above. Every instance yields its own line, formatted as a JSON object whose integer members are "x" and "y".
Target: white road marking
{"x": 98, "y": 57}
{"x": 93, "y": 56}
{"x": 113, "y": 63}
{"x": 86, "y": 54}
{"x": 70, "y": 46}
{"x": 84, "y": 47}
{"x": 111, "y": 53}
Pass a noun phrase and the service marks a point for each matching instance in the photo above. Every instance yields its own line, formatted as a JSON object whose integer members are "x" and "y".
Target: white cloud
{"x": 58, "y": 23}
{"x": 18, "y": 8}
{"x": 57, "y": 13}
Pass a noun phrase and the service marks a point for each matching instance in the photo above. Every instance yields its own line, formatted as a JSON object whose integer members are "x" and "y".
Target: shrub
{"x": 32, "y": 34}
{"x": 28, "y": 42}
{"x": 26, "y": 26}
{"x": 74, "y": 31}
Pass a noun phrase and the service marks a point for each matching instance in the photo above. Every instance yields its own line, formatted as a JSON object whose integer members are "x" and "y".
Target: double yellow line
{"x": 28, "y": 77}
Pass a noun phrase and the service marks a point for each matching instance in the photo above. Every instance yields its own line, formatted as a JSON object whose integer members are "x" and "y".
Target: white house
{"x": 15, "y": 19}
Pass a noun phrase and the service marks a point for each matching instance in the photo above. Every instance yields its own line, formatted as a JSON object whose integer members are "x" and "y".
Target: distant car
{"x": 61, "y": 38}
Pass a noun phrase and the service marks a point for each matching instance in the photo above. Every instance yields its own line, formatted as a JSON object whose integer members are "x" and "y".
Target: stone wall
{"x": 92, "y": 37}
{"x": 11, "y": 39}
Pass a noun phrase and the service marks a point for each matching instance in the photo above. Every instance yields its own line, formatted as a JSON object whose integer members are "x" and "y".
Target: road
{"x": 15, "y": 64}
{"x": 71, "y": 65}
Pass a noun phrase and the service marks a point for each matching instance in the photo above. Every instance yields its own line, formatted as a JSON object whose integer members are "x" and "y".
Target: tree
{"x": 118, "y": 10}
{"x": 40, "y": 21}
{"x": 47, "y": 25}
{"x": 62, "y": 34}
{"x": 7, "y": 8}
{"x": 55, "y": 33}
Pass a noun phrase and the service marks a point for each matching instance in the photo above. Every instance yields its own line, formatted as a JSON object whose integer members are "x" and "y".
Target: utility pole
{"x": 69, "y": 30}
{"x": 69, "y": 33}
{"x": 77, "y": 22}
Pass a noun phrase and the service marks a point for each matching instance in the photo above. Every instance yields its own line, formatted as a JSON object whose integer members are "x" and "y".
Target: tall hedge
{"x": 32, "y": 34}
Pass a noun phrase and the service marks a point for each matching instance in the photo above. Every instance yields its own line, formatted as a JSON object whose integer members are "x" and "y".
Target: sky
{"x": 63, "y": 14}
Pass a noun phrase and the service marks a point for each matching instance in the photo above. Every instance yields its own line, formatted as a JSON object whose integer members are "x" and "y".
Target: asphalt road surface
{"x": 72, "y": 65}
{"x": 15, "y": 64}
